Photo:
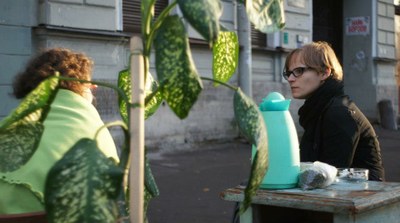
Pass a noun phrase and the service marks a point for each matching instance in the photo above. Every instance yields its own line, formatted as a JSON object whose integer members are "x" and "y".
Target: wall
{"x": 385, "y": 56}
{"x": 368, "y": 57}
{"x": 82, "y": 14}
{"x": 92, "y": 27}
{"x": 15, "y": 45}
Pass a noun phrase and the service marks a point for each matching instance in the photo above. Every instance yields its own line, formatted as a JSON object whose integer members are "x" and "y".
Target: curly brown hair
{"x": 45, "y": 64}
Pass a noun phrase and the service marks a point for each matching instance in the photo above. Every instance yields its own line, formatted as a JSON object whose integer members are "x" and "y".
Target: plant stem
{"x": 124, "y": 157}
{"x": 157, "y": 24}
{"x": 117, "y": 89}
{"x": 220, "y": 82}
{"x": 147, "y": 20}
{"x": 111, "y": 124}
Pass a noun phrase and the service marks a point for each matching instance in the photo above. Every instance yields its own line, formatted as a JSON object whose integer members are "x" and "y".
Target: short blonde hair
{"x": 319, "y": 56}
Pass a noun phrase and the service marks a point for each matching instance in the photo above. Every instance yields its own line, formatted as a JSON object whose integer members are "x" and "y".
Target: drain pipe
{"x": 244, "y": 35}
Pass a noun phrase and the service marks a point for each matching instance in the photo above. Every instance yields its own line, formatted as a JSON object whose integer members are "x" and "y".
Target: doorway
{"x": 328, "y": 24}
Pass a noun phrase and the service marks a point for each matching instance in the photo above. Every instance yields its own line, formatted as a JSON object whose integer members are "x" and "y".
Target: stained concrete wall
{"x": 369, "y": 58}
{"x": 82, "y": 14}
{"x": 16, "y": 19}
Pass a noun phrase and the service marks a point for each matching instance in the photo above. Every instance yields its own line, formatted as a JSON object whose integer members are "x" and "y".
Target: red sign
{"x": 357, "y": 25}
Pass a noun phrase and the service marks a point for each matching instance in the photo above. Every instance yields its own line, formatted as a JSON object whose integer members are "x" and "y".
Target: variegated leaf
{"x": 176, "y": 72}
{"x": 266, "y": 15}
{"x": 149, "y": 180}
{"x": 252, "y": 126}
{"x": 225, "y": 56}
{"x": 151, "y": 189}
{"x": 203, "y": 15}
{"x": 18, "y": 143}
{"x": 39, "y": 98}
{"x": 152, "y": 104}
{"x": 22, "y": 129}
{"x": 124, "y": 83}
{"x": 83, "y": 186}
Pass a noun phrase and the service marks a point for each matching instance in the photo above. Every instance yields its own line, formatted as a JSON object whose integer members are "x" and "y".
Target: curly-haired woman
{"x": 71, "y": 117}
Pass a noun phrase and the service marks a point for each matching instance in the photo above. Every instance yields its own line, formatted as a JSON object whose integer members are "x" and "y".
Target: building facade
{"x": 362, "y": 32}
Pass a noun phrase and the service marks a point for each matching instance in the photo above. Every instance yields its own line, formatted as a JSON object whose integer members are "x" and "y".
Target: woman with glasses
{"x": 335, "y": 130}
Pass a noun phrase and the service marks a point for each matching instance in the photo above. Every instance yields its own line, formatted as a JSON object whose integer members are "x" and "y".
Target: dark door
{"x": 328, "y": 24}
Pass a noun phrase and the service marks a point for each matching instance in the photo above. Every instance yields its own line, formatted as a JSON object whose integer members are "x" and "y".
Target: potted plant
{"x": 108, "y": 189}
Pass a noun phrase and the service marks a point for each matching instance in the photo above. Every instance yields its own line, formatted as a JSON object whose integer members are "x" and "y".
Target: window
{"x": 131, "y": 15}
{"x": 258, "y": 39}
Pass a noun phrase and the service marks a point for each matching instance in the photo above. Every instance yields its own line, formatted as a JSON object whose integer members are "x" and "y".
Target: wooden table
{"x": 341, "y": 202}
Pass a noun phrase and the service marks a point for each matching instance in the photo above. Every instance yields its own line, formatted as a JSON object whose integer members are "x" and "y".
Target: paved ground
{"x": 190, "y": 182}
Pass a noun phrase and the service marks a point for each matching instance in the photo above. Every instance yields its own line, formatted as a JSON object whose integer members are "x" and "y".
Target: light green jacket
{"x": 71, "y": 118}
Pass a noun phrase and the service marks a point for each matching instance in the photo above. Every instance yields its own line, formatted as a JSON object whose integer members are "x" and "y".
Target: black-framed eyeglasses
{"x": 297, "y": 72}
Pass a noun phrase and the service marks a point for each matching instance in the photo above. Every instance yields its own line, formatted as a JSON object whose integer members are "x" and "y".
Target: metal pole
{"x": 245, "y": 65}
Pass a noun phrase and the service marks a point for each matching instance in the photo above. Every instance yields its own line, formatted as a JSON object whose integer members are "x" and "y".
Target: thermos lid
{"x": 274, "y": 102}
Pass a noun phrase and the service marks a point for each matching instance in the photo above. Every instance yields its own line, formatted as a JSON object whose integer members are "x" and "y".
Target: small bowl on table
{"x": 352, "y": 174}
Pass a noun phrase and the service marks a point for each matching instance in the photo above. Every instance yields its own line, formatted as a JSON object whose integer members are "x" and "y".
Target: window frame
{"x": 130, "y": 22}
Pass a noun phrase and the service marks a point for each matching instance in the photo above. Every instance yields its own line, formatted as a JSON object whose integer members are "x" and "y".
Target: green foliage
{"x": 225, "y": 56}
{"x": 83, "y": 186}
{"x": 153, "y": 96}
{"x": 153, "y": 100}
{"x": 180, "y": 83}
{"x": 252, "y": 126}
{"x": 266, "y": 15}
{"x": 151, "y": 189}
{"x": 203, "y": 15}
{"x": 39, "y": 98}
{"x": 147, "y": 12}
{"x": 21, "y": 130}
{"x": 150, "y": 183}
{"x": 18, "y": 143}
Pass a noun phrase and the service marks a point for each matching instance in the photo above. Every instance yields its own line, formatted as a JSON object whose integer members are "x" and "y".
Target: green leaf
{"x": 18, "y": 143}
{"x": 225, "y": 56}
{"x": 152, "y": 104}
{"x": 203, "y": 15}
{"x": 176, "y": 72}
{"x": 266, "y": 15}
{"x": 124, "y": 83}
{"x": 149, "y": 181}
{"x": 83, "y": 186}
{"x": 153, "y": 96}
{"x": 147, "y": 10}
{"x": 37, "y": 99}
{"x": 151, "y": 189}
{"x": 252, "y": 126}
{"x": 21, "y": 130}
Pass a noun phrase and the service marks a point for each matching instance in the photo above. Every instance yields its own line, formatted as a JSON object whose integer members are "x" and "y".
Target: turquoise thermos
{"x": 283, "y": 144}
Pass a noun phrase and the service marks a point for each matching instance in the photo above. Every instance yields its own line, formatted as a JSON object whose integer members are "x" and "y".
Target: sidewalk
{"x": 190, "y": 182}
{"x": 390, "y": 146}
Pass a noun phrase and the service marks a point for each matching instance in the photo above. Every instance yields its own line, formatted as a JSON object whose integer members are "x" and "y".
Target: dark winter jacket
{"x": 338, "y": 133}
